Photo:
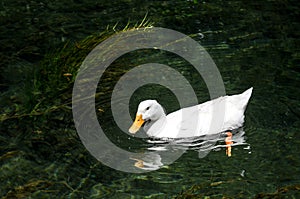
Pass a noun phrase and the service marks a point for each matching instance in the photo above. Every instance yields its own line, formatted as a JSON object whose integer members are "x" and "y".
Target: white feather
{"x": 196, "y": 120}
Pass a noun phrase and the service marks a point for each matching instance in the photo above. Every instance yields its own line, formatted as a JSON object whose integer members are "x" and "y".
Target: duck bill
{"x": 138, "y": 122}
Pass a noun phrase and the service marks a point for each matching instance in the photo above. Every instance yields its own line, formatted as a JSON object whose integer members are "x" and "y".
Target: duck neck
{"x": 154, "y": 127}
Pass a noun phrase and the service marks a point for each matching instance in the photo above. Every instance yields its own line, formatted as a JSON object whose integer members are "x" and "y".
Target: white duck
{"x": 197, "y": 120}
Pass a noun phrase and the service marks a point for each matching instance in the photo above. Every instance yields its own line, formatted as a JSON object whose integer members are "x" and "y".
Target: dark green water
{"x": 252, "y": 43}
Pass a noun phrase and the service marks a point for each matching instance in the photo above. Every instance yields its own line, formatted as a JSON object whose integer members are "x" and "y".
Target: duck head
{"x": 149, "y": 111}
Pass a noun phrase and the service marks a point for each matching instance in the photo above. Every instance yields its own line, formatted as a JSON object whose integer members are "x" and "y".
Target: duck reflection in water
{"x": 157, "y": 155}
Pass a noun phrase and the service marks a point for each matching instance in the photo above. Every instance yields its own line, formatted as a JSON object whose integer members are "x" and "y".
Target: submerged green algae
{"x": 252, "y": 43}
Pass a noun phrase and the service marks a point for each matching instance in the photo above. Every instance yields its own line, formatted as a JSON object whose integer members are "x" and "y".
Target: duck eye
{"x": 147, "y": 108}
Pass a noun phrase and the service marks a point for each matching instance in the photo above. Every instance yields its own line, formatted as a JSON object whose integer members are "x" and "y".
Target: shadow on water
{"x": 253, "y": 44}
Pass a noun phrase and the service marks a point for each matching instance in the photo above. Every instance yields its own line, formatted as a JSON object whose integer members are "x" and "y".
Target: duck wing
{"x": 215, "y": 116}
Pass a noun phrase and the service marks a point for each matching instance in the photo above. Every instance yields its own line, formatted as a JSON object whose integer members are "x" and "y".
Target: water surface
{"x": 252, "y": 43}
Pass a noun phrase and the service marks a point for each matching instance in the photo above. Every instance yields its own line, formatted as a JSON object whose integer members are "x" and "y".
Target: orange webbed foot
{"x": 229, "y": 142}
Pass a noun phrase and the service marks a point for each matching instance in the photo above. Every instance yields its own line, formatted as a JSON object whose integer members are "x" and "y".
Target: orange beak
{"x": 138, "y": 122}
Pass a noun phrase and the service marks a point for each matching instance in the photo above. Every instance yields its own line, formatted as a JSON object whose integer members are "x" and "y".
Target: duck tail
{"x": 245, "y": 96}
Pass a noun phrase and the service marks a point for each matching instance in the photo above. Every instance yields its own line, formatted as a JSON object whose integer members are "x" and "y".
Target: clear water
{"x": 252, "y": 43}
